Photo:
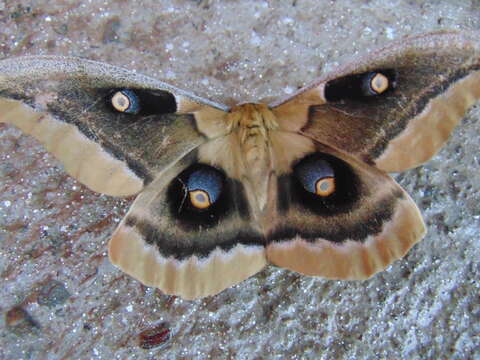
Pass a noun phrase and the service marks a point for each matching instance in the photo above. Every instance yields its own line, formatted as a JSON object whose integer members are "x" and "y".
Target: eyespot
{"x": 200, "y": 199}
{"x": 376, "y": 83}
{"x": 316, "y": 176}
{"x": 125, "y": 101}
{"x": 325, "y": 186}
{"x": 361, "y": 87}
{"x": 201, "y": 195}
{"x": 204, "y": 187}
{"x": 320, "y": 183}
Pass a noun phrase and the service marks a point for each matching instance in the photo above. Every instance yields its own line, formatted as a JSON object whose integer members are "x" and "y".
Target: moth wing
{"x": 66, "y": 104}
{"x": 366, "y": 223}
{"x": 165, "y": 242}
{"x": 431, "y": 81}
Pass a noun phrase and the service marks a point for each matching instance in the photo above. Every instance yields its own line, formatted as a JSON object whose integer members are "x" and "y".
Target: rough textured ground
{"x": 59, "y": 296}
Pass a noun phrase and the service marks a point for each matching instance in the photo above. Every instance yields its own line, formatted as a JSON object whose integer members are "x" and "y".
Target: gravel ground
{"x": 61, "y": 298}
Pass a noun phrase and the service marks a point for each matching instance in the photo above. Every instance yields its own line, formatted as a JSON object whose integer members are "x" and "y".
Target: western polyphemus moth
{"x": 300, "y": 183}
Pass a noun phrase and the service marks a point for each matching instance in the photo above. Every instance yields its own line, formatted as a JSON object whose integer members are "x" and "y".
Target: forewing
{"x": 66, "y": 103}
{"x": 431, "y": 81}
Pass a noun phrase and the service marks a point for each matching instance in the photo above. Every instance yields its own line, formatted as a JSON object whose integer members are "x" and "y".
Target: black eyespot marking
{"x": 320, "y": 183}
{"x": 201, "y": 196}
{"x": 141, "y": 101}
{"x": 361, "y": 86}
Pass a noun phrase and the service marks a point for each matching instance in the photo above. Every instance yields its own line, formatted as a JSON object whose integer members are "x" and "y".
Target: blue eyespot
{"x": 316, "y": 176}
{"x": 204, "y": 187}
{"x": 126, "y": 101}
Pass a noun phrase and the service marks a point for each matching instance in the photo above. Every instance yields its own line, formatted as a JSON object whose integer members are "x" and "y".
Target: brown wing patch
{"x": 293, "y": 115}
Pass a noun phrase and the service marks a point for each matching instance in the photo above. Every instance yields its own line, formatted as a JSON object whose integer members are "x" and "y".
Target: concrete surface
{"x": 61, "y": 299}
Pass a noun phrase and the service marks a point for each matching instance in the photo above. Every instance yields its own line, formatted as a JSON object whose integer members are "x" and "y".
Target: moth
{"x": 301, "y": 183}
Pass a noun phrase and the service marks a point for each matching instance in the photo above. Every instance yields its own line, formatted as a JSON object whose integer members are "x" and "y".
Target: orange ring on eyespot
{"x": 325, "y": 186}
{"x": 200, "y": 199}
{"x": 379, "y": 83}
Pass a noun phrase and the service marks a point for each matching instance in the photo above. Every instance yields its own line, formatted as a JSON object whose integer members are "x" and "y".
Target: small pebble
{"x": 52, "y": 294}
{"x": 154, "y": 337}
{"x": 19, "y": 321}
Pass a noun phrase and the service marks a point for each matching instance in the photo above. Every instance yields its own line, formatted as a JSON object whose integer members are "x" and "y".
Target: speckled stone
{"x": 426, "y": 306}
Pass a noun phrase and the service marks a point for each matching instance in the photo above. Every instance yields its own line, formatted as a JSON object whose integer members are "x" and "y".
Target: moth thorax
{"x": 253, "y": 122}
